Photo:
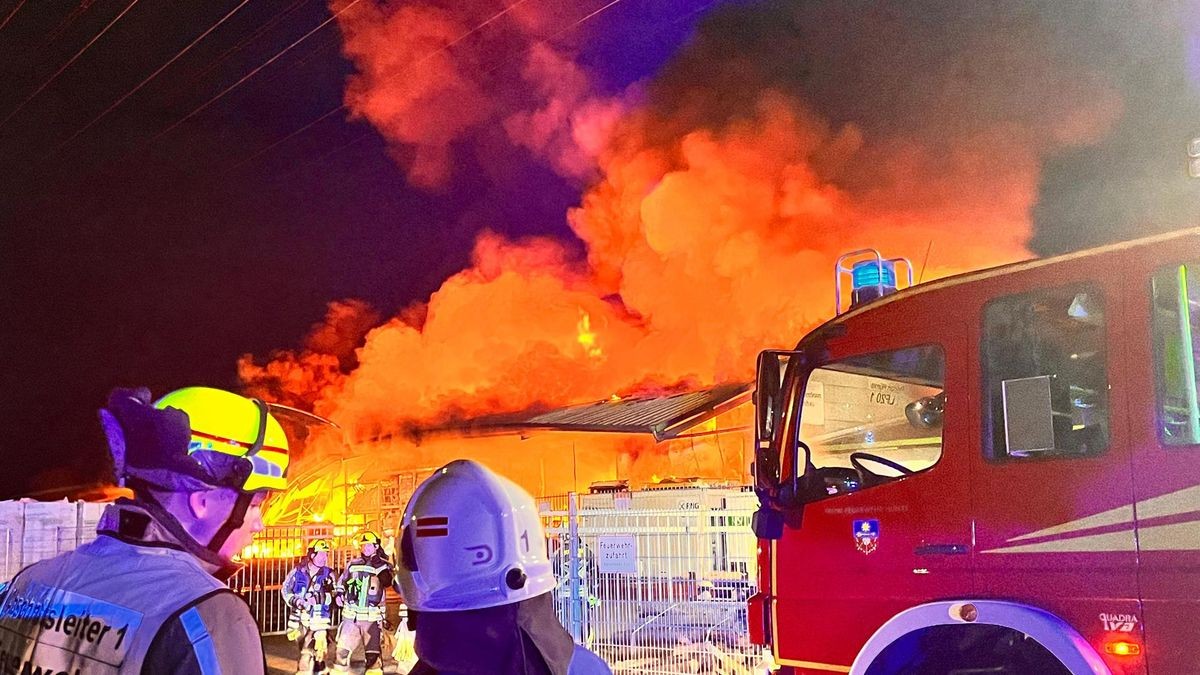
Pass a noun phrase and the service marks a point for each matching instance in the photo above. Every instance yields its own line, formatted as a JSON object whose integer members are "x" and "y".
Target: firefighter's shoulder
{"x": 585, "y": 662}
{"x": 216, "y": 630}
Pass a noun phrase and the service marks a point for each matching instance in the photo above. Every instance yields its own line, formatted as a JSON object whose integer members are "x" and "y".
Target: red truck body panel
{"x": 1109, "y": 543}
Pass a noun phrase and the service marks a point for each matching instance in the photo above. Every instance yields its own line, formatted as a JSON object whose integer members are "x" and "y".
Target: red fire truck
{"x": 997, "y": 472}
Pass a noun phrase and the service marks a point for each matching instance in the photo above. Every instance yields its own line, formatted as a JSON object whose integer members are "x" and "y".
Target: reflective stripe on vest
{"x": 97, "y": 608}
{"x": 364, "y": 593}
{"x": 368, "y": 613}
{"x": 202, "y": 644}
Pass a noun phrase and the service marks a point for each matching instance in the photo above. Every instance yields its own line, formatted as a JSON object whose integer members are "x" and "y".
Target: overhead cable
{"x": 204, "y": 106}
{"x": 153, "y": 75}
{"x": 54, "y": 77}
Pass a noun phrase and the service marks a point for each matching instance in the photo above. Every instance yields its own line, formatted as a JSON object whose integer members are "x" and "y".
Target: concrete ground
{"x": 281, "y": 658}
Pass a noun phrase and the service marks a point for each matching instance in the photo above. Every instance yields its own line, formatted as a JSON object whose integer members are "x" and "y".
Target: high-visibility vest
{"x": 318, "y": 588}
{"x": 97, "y": 609}
{"x": 363, "y": 589}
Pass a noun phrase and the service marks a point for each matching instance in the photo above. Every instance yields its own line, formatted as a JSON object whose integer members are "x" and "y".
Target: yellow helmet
{"x": 320, "y": 545}
{"x": 367, "y": 537}
{"x": 238, "y": 442}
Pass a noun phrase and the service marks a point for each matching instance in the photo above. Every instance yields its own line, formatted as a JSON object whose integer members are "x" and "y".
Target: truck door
{"x": 1163, "y": 355}
{"x": 1052, "y": 485}
{"x": 875, "y": 543}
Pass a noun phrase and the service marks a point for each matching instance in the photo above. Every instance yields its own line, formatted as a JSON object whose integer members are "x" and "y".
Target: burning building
{"x": 715, "y": 197}
{"x": 690, "y": 437}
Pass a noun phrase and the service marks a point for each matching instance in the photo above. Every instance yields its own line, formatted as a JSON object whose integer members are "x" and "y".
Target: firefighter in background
{"x": 308, "y": 593}
{"x": 361, "y": 593}
{"x": 478, "y": 582}
{"x": 149, "y": 589}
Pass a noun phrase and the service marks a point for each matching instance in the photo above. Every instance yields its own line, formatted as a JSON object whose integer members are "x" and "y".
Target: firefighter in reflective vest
{"x": 360, "y": 593}
{"x": 147, "y": 595}
{"x": 308, "y": 593}
{"x": 478, "y": 583}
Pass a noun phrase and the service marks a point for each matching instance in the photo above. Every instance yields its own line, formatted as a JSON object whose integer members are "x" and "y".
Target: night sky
{"x": 171, "y": 200}
{"x": 134, "y": 253}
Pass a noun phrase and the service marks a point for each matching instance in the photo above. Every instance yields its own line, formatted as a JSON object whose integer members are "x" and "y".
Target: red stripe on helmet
{"x": 230, "y": 441}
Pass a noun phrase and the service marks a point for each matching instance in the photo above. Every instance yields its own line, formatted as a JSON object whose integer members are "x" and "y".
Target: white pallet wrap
{"x": 31, "y": 531}
{"x": 89, "y": 517}
{"x": 50, "y": 529}
{"x": 12, "y": 529}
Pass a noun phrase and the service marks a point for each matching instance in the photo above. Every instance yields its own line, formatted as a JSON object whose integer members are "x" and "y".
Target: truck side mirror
{"x": 926, "y": 412}
{"x": 767, "y": 388}
{"x": 768, "y": 414}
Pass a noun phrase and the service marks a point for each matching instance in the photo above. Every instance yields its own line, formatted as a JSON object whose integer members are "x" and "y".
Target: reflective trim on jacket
{"x": 317, "y": 589}
{"x": 362, "y": 586}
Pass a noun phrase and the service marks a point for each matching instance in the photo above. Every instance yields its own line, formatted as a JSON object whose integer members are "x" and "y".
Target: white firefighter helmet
{"x": 471, "y": 539}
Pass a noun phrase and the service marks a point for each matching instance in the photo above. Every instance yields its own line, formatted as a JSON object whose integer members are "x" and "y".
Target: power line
{"x": 252, "y": 73}
{"x": 54, "y": 77}
{"x": 146, "y": 81}
{"x": 610, "y": 4}
{"x": 11, "y": 14}
{"x": 407, "y": 68}
{"x": 361, "y": 137}
{"x": 64, "y": 25}
{"x": 330, "y": 41}
{"x": 241, "y": 44}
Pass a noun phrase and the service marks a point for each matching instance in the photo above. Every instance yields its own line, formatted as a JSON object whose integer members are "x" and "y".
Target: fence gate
{"x": 658, "y": 580}
{"x": 273, "y": 556}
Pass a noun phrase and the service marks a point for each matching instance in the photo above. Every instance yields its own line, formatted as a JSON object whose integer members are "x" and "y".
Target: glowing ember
{"x": 587, "y": 338}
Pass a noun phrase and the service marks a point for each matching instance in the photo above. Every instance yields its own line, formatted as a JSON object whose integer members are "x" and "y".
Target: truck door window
{"x": 1044, "y": 376}
{"x": 1176, "y": 328}
{"x": 882, "y": 411}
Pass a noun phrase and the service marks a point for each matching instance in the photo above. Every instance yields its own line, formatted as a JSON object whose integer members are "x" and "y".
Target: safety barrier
{"x": 658, "y": 580}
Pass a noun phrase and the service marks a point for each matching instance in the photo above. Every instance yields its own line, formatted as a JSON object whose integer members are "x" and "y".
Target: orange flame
{"x": 587, "y": 337}
{"x": 707, "y": 238}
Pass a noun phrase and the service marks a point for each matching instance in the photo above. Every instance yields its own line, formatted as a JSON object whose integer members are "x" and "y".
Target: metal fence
{"x": 658, "y": 580}
{"x": 274, "y": 554}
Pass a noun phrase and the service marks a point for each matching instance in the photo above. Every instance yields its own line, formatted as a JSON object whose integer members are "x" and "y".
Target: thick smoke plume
{"x": 1136, "y": 181}
{"x": 716, "y": 196}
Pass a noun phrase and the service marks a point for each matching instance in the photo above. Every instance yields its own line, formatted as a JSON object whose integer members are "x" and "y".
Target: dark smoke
{"x": 1135, "y": 181}
{"x": 1106, "y": 94}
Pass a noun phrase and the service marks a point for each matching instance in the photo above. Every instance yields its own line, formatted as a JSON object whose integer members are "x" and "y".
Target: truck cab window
{"x": 876, "y": 417}
{"x": 1176, "y": 327}
{"x": 1045, "y": 385}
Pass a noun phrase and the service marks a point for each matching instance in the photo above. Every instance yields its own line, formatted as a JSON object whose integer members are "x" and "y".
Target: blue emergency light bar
{"x": 871, "y": 277}
{"x": 867, "y": 273}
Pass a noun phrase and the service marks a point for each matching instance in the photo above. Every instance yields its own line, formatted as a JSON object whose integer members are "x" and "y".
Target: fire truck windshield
{"x": 876, "y": 417}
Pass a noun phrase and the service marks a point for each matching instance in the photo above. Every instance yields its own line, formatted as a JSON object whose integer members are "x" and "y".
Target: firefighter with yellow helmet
{"x": 308, "y": 593}
{"x": 361, "y": 593}
{"x": 474, "y": 571}
{"x": 147, "y": 596}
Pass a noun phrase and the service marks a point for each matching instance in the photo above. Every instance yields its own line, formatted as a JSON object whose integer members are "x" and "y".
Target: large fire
{"x": 715, "y": 198}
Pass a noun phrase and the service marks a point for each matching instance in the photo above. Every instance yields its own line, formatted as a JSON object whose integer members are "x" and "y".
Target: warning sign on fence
{"x": 618, "y": 553}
